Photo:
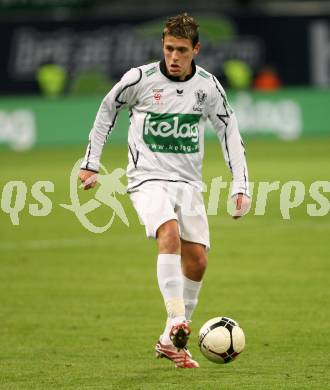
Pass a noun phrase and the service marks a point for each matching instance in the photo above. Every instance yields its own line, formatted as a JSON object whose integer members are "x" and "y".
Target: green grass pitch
{"x": 83, "y": 311}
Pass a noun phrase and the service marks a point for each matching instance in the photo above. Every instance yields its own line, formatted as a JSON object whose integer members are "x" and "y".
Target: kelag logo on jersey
{"x": 171, "y": 133}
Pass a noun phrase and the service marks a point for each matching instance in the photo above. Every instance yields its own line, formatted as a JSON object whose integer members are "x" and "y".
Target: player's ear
{"x": 197, "y": 47}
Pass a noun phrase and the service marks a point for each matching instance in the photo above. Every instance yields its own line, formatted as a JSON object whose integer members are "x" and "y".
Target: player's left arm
{"x": 225, "y": 124}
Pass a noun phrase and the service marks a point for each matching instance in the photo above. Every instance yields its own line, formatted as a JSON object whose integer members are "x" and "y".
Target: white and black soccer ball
{"x": 221, "y": 340}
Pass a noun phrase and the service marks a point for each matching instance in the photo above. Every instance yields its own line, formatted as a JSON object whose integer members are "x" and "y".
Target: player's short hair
{"x": 182, "y": 26}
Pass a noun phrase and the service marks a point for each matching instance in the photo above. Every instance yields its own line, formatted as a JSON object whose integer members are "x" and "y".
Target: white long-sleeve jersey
{"x": 167, "y": 121}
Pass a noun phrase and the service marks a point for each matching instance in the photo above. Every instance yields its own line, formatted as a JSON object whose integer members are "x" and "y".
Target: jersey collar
{"x": 162, "y": 67}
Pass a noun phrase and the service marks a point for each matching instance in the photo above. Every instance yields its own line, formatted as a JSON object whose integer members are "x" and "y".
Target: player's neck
{"x": 183, "y": 78}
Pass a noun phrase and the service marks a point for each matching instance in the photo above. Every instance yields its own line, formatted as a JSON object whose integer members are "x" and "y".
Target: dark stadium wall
{"x": 93, "y": 44}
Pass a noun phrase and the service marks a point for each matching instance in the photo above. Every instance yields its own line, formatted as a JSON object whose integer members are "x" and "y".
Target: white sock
{"x": 165, "y": 337}
{"x": 170, "y": 282}
{"x": 190, "y": 295}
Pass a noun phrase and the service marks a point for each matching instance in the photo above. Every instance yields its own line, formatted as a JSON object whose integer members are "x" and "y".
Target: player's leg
{"x": 195, "y": 242}
{"x": 170, "y": 280}
{"x": 156, "y": 209}
{"x": 194, "y": 262}
{"x": 169, "y": 272}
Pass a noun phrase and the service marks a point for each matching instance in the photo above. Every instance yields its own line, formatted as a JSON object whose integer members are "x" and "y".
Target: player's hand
{"x": 87, "y": 178}
{"x": 242, "y": 203}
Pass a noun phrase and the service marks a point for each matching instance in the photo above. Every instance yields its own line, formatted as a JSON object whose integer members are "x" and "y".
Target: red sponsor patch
{"x": 157, "y": 96}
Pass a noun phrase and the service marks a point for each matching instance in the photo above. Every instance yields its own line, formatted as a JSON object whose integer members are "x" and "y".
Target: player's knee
{"x": 169, "y": 243}
{"x": 168, "y": 239}
{"x": 200, "y": 261}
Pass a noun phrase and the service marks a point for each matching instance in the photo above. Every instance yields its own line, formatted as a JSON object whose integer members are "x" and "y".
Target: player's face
{"x": 178, "y": 54}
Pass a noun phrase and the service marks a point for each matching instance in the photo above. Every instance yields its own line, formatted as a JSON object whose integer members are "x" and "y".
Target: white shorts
{"x": 159, "y": 201}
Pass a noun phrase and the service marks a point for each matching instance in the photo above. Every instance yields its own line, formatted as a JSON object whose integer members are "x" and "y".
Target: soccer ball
{"x": 221, "y": 340}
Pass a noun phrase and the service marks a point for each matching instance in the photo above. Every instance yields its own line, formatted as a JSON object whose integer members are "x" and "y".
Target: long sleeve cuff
{"x": 240, "y": 187}
{"x": 90, "y": 165}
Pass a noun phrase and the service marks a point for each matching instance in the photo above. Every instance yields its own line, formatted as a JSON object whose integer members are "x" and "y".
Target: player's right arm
{"x": 123, "y": 94}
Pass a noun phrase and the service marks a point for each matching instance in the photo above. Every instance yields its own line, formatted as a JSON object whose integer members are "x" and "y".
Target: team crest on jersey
{"x": 200, "y": 100}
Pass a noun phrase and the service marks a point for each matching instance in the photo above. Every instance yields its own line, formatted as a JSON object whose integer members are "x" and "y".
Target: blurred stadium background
{"x": 67, "y": 49}
{"x": 80, "y": 310}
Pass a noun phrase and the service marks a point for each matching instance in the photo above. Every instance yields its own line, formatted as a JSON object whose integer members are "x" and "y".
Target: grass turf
{"x": 83, "y": 311}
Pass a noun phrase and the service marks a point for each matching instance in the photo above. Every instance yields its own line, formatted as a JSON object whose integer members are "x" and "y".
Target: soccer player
{"x": 169, "y": 102}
